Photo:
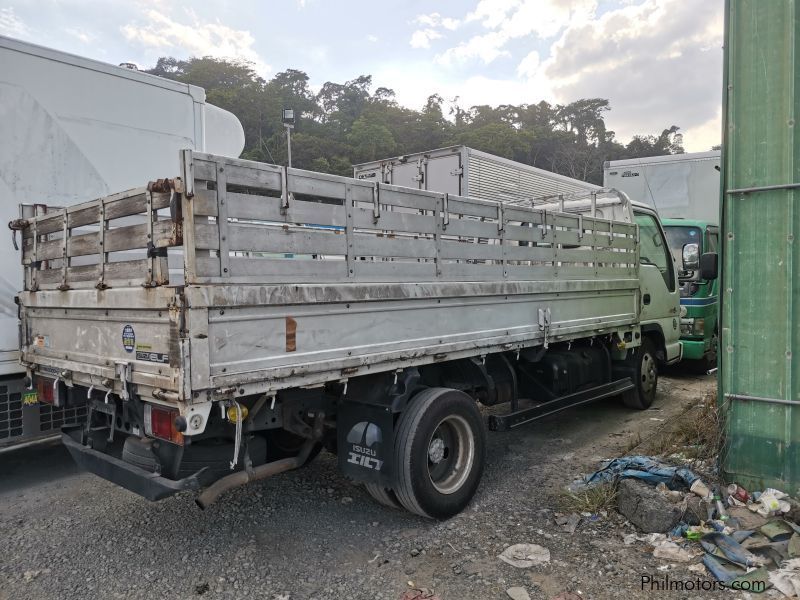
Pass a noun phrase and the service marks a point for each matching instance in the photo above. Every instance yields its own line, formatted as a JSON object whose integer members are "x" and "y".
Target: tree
{"x": 345, "y": 123}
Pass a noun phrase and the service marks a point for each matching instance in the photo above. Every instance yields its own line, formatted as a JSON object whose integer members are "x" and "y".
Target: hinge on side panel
{"x": 544, "y": 324}
{"x": 124, "y": 374}
{"x": 500, "y": 217}
{"x": 284, "y": 190}
{"x": 376, "y": 202}
{"x": 458, "y": 171}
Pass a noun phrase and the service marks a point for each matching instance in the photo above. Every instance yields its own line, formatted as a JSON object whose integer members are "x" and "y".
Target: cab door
{"x": 659, "y": 298}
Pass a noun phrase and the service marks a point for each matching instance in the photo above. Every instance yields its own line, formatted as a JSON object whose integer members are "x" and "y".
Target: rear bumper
{"x": 148, "y": 485}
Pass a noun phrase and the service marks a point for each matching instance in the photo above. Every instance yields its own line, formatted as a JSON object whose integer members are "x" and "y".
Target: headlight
{"x": 699, "y": 326}
{"x": 683, "y": 311}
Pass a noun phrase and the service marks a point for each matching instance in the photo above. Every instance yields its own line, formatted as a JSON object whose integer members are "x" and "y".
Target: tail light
{"x": 159, "y": 422}
{"x": 49, "y": 391}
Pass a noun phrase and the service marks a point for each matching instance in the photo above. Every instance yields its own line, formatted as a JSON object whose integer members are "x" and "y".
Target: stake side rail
{"x": 294, "y": 278}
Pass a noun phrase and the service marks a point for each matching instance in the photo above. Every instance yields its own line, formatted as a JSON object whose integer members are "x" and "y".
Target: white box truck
{"x": 74, "y": 129}
{"x": 465, "y": 171}
{"x": 678, "y": 186}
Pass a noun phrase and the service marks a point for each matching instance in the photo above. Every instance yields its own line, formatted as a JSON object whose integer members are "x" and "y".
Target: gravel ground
{"x": 313, "y": 534}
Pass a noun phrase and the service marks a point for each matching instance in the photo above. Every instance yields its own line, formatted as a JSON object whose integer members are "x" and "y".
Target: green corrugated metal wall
{"x": 760, "y": 289}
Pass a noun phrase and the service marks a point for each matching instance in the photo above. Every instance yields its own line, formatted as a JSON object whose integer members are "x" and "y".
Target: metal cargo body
{"x": 468, "y": 172}
{"x": 759, "y": 289}
{"x": 678, "y": 186}
{"x": 298, "y": 278}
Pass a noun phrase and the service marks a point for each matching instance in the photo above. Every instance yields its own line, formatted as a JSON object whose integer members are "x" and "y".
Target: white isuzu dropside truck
{"x": 314, "y": 311}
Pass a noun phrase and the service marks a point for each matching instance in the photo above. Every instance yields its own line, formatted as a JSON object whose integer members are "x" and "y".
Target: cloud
{"x": 422, "y": 38}
{"x": 11, "y": 25}
{"x": 658, "y": 61}
{"x": 509, "y": 20}
{"x": 372, "y": 38}
{"x": 81, "y": 34}
{"x": 486, "y": 47}
{"x": 197, "y": 38}
{"x": 435, "y": 20}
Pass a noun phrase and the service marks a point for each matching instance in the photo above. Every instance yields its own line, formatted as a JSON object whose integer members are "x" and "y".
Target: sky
{"x": 659, "y": 62}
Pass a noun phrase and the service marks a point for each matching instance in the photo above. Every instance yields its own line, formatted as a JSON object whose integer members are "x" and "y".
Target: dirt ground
{"x": 314, "y": 534}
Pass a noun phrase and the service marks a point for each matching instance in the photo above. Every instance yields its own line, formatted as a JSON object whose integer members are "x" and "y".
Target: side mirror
{"x": 709, "y": 268}
{"x": 691, "y": 257}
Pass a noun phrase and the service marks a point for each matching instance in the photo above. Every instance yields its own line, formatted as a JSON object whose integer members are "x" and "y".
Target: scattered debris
{"x": 419, "y": 594}
{"x": 787, "y": 579}
{"x": 770, "y": 502}
{"x": 671, "y": 551}
{"x": 518, "y": 593}
{"x": 524, "y": 556}
{"x": 569, "y": 523}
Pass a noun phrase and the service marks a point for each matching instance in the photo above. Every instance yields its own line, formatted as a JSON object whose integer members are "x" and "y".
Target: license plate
{"x": 29, "y": 398}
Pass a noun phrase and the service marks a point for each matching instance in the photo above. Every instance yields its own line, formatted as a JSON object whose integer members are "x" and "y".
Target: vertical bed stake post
{"x": 284, "y": 190}
{"x": 376, "y": 202}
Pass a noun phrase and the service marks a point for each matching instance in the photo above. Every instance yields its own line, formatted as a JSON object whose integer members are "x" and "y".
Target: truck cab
{"x": 689, "y": 239}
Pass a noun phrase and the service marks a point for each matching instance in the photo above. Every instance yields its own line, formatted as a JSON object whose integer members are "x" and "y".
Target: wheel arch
{"x": 655, "y": 334}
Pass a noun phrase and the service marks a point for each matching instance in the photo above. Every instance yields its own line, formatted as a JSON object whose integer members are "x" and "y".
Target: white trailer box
{"x": 684, "y": 186}
{"x": 468, "y": 172}
{"x": 74, "y": 129}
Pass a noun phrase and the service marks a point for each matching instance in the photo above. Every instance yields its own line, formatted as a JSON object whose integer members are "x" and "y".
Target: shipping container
{"x": 465, "y": 171}
{"x": 760, "y": 288}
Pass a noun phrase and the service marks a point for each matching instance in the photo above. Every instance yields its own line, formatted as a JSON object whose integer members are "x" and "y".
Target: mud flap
{"x": 365, "y": 442}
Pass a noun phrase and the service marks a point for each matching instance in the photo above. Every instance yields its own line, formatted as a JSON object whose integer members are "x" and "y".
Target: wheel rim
{"x": 451, "y": 453}
{"x": 649, "y": 374}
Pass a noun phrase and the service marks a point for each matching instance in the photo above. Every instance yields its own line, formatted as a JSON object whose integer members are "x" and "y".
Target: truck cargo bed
{"x": 292, "y": 278}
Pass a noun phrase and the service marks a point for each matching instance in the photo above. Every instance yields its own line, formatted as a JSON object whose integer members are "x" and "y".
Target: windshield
{"x": 679, "y": 235}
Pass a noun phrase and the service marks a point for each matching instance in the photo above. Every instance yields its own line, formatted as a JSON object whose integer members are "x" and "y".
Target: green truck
{"x": 688, "y": 239}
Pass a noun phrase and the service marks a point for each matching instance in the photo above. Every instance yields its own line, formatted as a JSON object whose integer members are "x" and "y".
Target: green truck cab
{"x": 688, "y": 240}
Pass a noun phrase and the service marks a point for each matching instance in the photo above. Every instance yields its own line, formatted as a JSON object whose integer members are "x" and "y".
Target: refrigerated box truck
{"x": 464, "y": 171}
{"x": 678, "y": 186}
{"x": 74, "y": 129}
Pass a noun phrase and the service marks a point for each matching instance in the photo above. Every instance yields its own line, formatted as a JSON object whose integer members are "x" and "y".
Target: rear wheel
{"x": 645, "y": 377}
{"x": 439, "y": 454}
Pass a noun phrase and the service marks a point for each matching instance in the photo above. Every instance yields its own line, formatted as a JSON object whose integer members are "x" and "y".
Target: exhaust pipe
{"x": 212, "y": 493}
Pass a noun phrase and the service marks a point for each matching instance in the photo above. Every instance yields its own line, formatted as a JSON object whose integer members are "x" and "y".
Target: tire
{"x": 139, "y": 452}
{"x": 285, "y": 444}
{"x": 645, "y": 377}
{"x": 437, "y": 479}
{"x": 383, "y": 495}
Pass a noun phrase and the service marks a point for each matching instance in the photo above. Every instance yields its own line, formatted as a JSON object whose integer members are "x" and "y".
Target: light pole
{"x": 288, "y": 122}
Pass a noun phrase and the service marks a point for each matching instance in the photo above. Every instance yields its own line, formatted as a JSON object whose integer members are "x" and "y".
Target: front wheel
{"x": 439, "y": 453}
{"x": 645, "y": 377}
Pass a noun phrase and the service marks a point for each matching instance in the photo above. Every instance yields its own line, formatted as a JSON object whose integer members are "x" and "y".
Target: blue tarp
{"x": 644, "y": 468}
